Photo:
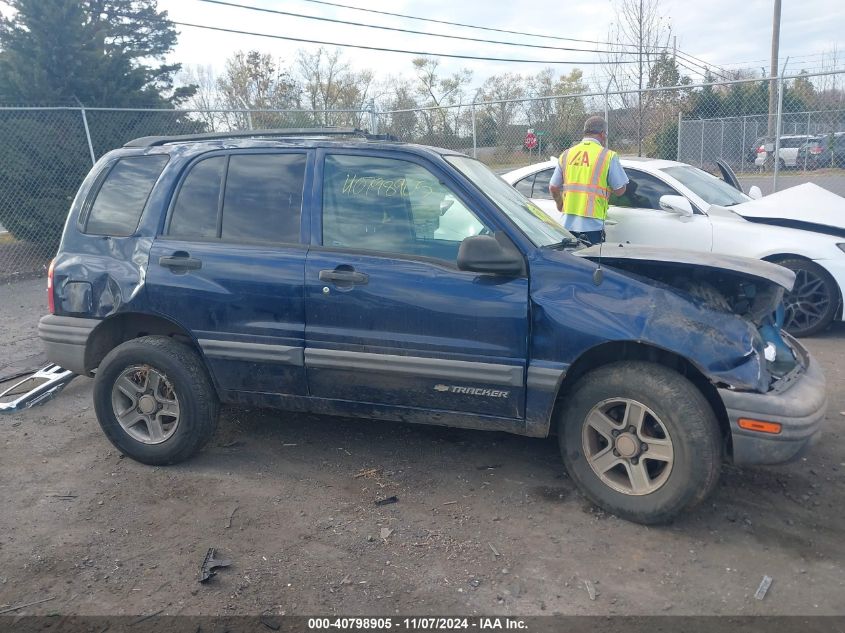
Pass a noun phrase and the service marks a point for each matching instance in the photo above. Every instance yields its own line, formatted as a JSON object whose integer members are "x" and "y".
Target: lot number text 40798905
{"x": 418, "y": 624}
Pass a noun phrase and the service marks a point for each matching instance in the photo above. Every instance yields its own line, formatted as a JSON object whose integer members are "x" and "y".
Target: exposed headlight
{"x": 770, "y": 352}
{"x": 841, "y": 246}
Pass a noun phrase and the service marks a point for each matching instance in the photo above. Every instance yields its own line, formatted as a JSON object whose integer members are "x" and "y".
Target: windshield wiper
{"x": 568, "y": 241}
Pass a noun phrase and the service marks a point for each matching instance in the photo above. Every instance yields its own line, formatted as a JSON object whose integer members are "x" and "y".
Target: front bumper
{"x": 799, "y": 407}
{"x": 65, "y": 340}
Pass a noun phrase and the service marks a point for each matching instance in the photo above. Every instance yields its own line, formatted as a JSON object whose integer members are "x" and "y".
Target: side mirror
{"x": 490, "y": 254}
{"x": 676, "y": 204}
{"x": 755, "y": 193}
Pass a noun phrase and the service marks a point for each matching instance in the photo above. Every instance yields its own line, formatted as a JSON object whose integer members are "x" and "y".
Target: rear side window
{"x": 121, "y": 199}
{"x": 195, "y": 211}
{"x": 525, "y": 185}
{"x": 261, "y": 201}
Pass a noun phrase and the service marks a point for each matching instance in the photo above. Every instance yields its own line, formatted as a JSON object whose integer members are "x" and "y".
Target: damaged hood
{"x": 745, "y": 266}
{"x": 805, "y": 204}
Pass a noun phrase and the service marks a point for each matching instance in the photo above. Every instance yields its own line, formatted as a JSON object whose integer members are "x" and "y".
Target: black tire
{"x": 185, "y": 376}
{"x": 689, "y": 423}
{"x": 800, "y": 321}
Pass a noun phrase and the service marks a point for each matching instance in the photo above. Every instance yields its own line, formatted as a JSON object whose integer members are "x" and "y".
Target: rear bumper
{"x": 799, "y": 407}
{"x": 65, "y": 340}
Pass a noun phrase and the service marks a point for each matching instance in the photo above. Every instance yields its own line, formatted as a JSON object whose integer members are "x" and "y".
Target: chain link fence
{"x": 46, "y": 152}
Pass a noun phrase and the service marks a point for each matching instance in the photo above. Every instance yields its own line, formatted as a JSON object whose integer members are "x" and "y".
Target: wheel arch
{"x": 615, "y": 351}
{"x": 777, "y": 258}
{"x": 127, "y": 326}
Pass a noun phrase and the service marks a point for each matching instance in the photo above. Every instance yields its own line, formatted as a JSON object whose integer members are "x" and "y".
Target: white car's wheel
{"x": 812, "y": 303}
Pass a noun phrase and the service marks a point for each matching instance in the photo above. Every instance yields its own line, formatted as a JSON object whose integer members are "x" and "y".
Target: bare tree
{"x": 253, "y": 81}
{"x": 206, "y": 98}
{"x": 500, "y": 90}
{"x": 639, "y": 33}
{"x": 561, "y": 117}
{"x": 402, "y": 120}
{"x": 441, "y": 94}
{"x": 329, "y": 83}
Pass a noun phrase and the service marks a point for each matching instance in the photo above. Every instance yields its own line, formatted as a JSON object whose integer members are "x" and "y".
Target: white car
{"x": 672, "y": 204}
{"x": 788, "y": 150}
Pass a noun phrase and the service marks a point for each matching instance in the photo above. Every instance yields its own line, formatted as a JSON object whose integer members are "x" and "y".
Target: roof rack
{"x": 153, "y": 141}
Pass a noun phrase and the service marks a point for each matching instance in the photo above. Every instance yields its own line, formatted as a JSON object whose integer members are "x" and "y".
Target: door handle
{"x": 180, "y": 261}
{"x": 344, "y": 277}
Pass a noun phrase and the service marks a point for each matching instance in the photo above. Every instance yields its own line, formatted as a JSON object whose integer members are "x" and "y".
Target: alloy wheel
{"x": 627, "y": 446}
{"x": 145, "y": 404}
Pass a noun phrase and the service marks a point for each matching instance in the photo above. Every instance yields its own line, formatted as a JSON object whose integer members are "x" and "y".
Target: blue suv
{"x": 333, "y": 272}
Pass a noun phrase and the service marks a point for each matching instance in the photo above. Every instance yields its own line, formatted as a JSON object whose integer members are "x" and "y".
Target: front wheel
{"x": 640, "y": 441}
{"x": 812, "y": 303}
{"x": 154, "y": 400}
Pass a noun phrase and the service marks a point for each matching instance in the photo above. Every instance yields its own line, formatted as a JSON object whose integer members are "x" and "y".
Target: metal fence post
{"x": 373, "y": 118}
{"x": 742, "y": 149}
{"x": 807, "y": 151}
{"x": 701, "y": 159}
{"x": 778, "y": 124}
{"x": 474, "y": 139}
{"x": 88, "y": 135}
{"x": 722, "y": 142}
{"x": 678, "y": 150}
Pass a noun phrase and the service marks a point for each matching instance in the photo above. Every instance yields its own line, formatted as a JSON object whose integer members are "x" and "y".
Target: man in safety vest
{"x": 585, "y": 176}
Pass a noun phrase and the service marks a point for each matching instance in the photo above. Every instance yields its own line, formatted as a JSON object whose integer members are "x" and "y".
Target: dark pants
{"x": 593, "y": 237}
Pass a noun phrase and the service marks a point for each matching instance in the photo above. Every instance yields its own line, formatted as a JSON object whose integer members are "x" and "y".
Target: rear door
{"x": 636, "y": 217}
{"x": 229, "y": 266}
{"x": 390, "y": 318}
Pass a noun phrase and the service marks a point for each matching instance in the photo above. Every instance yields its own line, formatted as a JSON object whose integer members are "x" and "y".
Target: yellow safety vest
{"x": 585, "y": 190}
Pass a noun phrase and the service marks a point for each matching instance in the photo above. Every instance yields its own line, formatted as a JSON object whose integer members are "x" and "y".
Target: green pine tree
{"x": 100, "y": 53}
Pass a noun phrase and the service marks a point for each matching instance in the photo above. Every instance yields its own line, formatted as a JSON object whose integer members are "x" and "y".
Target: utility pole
{"x": 773, "y": 83}
{"x": 674, "y": 48}
{"x": 640, "y": 92}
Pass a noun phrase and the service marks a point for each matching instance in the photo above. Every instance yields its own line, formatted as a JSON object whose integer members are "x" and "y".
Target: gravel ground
{"x": 485, "y": 523}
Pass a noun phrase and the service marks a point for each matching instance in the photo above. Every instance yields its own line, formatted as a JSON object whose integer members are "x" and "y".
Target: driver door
{"x": 390, "y": 319}
{"x": 636, "y": 218}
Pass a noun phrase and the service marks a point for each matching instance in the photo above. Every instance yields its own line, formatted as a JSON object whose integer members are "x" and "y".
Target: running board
{"x": 35, "y": 388}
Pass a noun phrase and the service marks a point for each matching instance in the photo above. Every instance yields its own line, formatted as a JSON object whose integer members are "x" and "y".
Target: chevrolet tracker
{"x": 330, "y": 271}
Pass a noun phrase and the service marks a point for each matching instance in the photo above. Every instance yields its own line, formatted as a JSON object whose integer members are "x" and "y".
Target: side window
{"x": 541, "y": 184}
{"x": 122, "y": 196}
{"x": 263, "y": 200}
{"x": 394, "y": 206}
{"x": 643, "y": 191}
{"x": 524, "y": 186}
{"x": 195, "y": 212}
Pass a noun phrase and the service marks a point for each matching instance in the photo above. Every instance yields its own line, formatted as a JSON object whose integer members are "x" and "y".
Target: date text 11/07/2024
{"x": 418, "y": 624}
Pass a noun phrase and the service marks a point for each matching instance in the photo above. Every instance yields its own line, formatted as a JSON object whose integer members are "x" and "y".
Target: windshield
{"x": 707, "y": 187}
{"x": 531, "y": 219}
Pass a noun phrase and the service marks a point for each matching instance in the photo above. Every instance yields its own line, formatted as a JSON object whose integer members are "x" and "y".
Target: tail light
{"x": 761, "y": 149}
{"x": 51, "y": 301}
{"x": 816, "y": 150}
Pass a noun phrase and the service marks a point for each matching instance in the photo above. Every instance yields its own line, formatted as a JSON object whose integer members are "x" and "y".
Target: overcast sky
{"x": 724, "y": 32}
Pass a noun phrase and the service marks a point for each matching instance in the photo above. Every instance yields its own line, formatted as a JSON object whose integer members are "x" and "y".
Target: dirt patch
{"x": 20, "y": 260}
{"x": 485, "y": 523}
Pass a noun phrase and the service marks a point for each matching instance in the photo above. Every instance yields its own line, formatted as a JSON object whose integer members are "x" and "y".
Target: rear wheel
{"x": 812, "y": 303}
{"x": 154, "y": 400}
{"x": 640, "y": 441}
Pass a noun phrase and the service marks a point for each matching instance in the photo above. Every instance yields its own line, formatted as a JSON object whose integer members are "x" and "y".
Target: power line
{"x": 388, "y": 50}
{"x": 469, "y": 26}
{"x": 701, "y": 63}
{"x": 690, "y": 60}
{"x": 400, "y": 30}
